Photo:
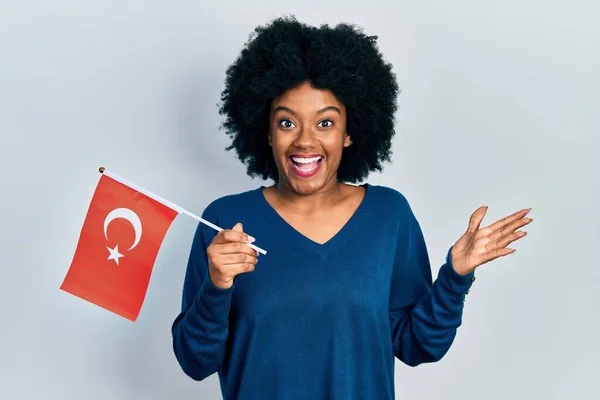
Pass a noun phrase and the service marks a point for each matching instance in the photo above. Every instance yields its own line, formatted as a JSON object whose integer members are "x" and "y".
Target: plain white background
{"x": 499, "y": 106}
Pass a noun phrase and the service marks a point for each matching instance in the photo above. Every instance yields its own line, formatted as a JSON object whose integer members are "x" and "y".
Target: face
{"x": 308, "y": 136}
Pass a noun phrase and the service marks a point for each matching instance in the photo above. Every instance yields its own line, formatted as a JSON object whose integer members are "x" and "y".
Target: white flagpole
{"x": 169, "y": 204}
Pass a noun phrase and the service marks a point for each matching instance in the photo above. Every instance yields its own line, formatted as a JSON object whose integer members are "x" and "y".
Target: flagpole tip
{"x": 101, "y": 169}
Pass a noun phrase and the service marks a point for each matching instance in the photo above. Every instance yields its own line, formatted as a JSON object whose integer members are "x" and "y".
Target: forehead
{"x": 307, "y": 98}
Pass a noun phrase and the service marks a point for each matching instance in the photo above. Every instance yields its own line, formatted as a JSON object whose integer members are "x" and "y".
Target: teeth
{"x": 303, "y": 160}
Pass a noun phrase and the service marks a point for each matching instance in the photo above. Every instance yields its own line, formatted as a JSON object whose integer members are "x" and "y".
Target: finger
{"x": 240, "y": 268}
{"x": 235, "y": 234}
{"x": 233, "y": 247}
{"x": 505, "y": 241}
{"x": 238, "y": 227}
{"x": 476, "y": 218}
{"x": 509, "y": 229}
{"x": 508, "y": 219}
{"x": 231, "y": 271}
{"x": 220, "y": 237}
{"x": 500, "y": 253}
{"x": 238, "y": 258}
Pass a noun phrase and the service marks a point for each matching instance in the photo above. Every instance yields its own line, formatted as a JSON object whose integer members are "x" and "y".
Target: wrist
{"x": 462, "y": 271}
{"x": 458, "y": 265}
{"x": 216, "y": 279}
{"x": 452, "y": 280}
{"x": 221, "y": 284}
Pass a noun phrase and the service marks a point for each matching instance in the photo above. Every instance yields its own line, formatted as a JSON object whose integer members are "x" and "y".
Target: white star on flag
{"x": 114, "y": 254}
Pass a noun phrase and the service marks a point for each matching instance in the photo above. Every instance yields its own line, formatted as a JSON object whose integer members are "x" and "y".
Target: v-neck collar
{"x": 321, "y": 250}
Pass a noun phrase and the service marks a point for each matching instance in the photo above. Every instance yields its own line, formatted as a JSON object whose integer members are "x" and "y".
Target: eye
{"x": 286, "y": 123}
{"x": 326, "y": 123}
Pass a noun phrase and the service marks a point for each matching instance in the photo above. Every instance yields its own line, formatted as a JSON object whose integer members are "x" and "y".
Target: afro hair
{"x": 285, "y": 53}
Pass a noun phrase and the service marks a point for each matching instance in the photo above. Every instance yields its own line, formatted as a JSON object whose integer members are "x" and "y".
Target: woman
{"x": 346, "y": 284}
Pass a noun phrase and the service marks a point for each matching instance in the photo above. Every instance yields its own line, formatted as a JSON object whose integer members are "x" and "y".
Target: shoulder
{"x": 225, "y": 211}
{"x": 388, "y": 198}
{"x": 394, "y": 213}
{"x": 230, "y": 204}
{"x": 391, "y": 205}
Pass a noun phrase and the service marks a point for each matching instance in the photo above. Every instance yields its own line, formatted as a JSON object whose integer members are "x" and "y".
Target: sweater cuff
{"x": 452, "y": 280}
{"x": 214, "y": 301}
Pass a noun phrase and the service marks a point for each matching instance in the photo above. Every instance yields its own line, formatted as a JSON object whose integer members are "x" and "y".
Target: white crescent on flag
{"x": 133, "y": 219}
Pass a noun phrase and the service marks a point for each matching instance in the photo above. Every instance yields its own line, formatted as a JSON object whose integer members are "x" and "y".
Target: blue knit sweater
{"x": 318, "y": 321}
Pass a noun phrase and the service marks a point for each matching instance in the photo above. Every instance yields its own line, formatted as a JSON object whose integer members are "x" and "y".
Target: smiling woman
{"x": 308, "y": 135}
{"x": 347, "y": 285}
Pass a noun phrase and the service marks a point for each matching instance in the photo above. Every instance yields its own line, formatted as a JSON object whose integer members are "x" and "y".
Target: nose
{"x": 306, "y": 139}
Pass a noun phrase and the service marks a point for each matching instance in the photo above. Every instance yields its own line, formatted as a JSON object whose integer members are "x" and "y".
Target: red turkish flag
{"x": 120, "y": 239}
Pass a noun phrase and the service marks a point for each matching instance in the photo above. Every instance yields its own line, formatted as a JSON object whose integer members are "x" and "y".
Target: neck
{"x": 311, "y": 203}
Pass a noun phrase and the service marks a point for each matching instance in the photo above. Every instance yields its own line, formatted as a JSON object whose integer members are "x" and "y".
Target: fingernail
{"x": 528, "y": 210}
{"x": 251, "y": 239}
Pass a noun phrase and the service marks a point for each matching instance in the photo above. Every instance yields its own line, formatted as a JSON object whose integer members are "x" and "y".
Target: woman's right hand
{"x": 229, "y": 255}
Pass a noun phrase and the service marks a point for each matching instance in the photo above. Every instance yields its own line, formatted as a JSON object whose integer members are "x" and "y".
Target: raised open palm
{"x": 478, "y": 246}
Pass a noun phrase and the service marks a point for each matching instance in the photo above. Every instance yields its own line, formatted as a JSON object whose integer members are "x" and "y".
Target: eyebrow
{"x": 321, "y": 111}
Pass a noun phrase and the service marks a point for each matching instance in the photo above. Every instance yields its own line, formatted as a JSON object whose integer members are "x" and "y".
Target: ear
{"x": 270, "y": 139}
{"x": 347, "y": 140}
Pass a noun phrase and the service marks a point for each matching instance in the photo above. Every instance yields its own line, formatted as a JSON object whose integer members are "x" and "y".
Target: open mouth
{"x": 306, "y": 166}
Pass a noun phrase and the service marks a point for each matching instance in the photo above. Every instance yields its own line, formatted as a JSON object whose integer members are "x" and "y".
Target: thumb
{"x": 243, "y": 236}
{"x": 476, "y": 218}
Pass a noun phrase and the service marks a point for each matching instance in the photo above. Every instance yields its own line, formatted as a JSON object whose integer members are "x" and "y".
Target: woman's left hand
{"x": 478, "y": 246}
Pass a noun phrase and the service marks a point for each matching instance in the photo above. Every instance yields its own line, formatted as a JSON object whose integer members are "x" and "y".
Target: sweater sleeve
{"x": 424, "y": 316}
{"x": 200, "y": 330}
